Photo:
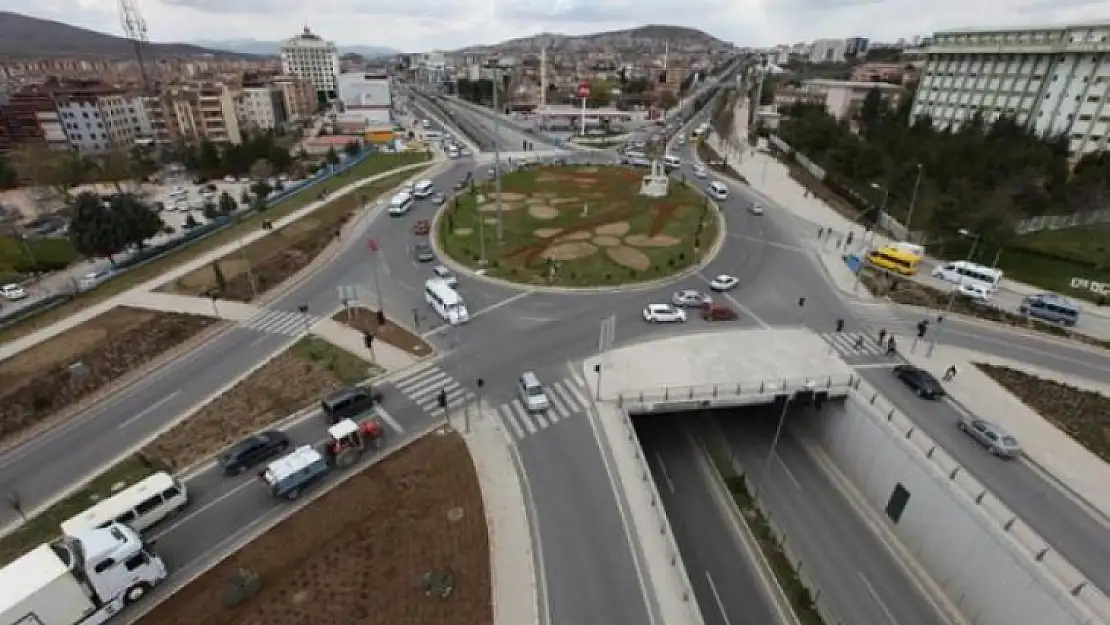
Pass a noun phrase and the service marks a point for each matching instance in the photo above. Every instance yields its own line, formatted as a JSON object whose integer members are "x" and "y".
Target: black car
{"x": 251, "y": 451}
{"x": 921, "y": 381}
{"x": 349, "y": 402}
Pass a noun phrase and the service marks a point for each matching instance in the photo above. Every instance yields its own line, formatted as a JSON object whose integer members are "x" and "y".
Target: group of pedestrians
{"x": 892, "y": 350}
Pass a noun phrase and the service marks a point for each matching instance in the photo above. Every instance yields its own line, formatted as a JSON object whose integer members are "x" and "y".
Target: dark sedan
{"x": 251, "y": 451}
{"x": 920, "y": 381}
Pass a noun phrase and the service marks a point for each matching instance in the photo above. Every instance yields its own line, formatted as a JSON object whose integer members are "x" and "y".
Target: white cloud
{"x": 416, "y": 25}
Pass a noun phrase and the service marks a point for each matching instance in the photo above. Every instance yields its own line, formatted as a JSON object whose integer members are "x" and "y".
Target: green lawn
{"x": 18, "y": 258}
{"x": 579, "y": 226}
{"x": 46, "y": 525}
{"x": 350, "y": 369}
{"x": 373, "y": 165}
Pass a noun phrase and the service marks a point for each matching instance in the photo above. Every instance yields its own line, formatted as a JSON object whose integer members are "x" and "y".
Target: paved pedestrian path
{"x": 17, "y": 345}
{"x": 1047, "y": 446}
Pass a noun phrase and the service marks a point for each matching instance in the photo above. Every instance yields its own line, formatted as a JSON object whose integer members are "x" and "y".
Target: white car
{"x": 664, "y": 313}
{"x": 445, "y": 274}
{"x": 756, "y": 208}
{"x": 724, "y": 282}
{"x": 12, "y": 292}
{"x": 93, "y": 279}
{"x": 700, "y": 172}
{"x": 974, "y": 292}
{"x": 690, "y": 298}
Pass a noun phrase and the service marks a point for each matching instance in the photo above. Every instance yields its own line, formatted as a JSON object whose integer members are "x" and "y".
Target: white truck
{"x": 83, "y": 579}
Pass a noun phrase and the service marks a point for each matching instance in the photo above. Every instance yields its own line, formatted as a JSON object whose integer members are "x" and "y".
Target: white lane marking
{"x": 717, "y": 598}
{"x": 488, "y": 309}
{"x": 389, "y": 420}
{"x": 149, "y": 409}
{"x": 506, "y": 412}
{"x": 742, "y": 308}
{"x": 201, "y": 510}
{"x": 875, "y": 597}
{"x": 663, "y": 470}
{"x": 525, "y": 416}
{"x": 789, "y": 473}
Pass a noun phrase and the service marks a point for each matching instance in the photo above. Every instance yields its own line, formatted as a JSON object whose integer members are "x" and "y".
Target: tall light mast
{"x": 134, "y": 27}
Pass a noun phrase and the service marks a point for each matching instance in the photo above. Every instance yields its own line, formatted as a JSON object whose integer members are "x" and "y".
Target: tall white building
{"x": 310, "y": 57}
{"x": 828, "y": 51}
{"x": 1051, "y": 79}
{"x": 367, "y": 96}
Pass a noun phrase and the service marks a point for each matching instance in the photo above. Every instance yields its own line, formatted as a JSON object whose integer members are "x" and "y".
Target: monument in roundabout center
{"x": 655, "y": 183}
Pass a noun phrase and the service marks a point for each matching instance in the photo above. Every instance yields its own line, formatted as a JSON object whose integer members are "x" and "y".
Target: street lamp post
{"x": 497, "y": 158}
{"x": 952, "y": 296}
{"x": 913, "y": 198}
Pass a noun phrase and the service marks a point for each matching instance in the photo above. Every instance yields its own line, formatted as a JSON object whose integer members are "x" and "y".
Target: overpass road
{"x": 564, "y": 466}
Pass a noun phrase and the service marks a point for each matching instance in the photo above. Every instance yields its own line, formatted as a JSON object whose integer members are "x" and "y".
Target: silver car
{"x": 997, "y": 441}
{"x": 690, "y": 298}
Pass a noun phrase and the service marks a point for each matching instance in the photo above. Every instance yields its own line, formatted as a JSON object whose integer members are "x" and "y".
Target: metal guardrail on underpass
{"x": 677, "y": 398}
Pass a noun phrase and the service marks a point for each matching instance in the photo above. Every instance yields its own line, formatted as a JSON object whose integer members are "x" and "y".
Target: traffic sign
{"x": 584, "y": 90}
{"x": 372, "y": 244}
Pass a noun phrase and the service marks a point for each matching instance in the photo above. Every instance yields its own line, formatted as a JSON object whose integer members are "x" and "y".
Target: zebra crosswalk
{"x": 279, "y": 322}
{"x": 423, "y": 387}
{"x": 854, "y": 344}
{"x": 567, "y": 398}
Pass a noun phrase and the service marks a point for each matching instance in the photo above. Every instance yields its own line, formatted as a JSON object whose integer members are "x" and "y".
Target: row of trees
{"x": 210, "y": 161}
{"x": 981, "y": 177}
{"x": 61, "y": 171}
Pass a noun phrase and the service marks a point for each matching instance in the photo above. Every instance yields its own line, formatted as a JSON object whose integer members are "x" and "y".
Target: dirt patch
{"x": 536, "y": 201}
{"x": 548, "y": 179}
{"x": 512, "y": 197}
{"x": 463, "y": 232}
{"x": 569, "y": 251}
{"x": 363, "y": 552}
{"x": 546, "y": 233}
{"x": 585, "y": 182}
{"x": 606, "y": 241}
{"x": 576, "y": 236}
{"x": 564, "y": 200}
{"x": 543, "y": 212}
{"x": 659, "y": 240}
{"x": 54, "y": 374}
{"x": 615, "y": 229}
{"x": 587, "y": 170}
{"x": 366, "y": 320}
{"x": 1083, "y": 415}
{"x": 281, "y": 387}
{"x": 629, "y": 257}
{"x": 491, "y": 207}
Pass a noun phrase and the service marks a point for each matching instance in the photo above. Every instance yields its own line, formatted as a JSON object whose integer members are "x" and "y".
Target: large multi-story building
{"x": 299, "y": 96}
{"x": 97, "y": 117}
{"x": 366, "y": 96}
{"x": 262, "y": 107}
{"x": 194, "y": 112}
{"x": 1051, "y": 79}
{"x": 310, "y": 57}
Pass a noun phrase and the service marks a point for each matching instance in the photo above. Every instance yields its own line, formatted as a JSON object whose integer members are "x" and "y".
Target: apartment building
{"x": 194, "y": 112}
{"x": 367, "y": 96}
{"x": 312, "y": 58}
{"x": 31, "y": 117}
{"x": 298, "y": 94}
{"x": 843, "y": 98}
{"x": 97, "y": 117}
{"x": 1051, "y": 79}
{"x": 262, "y": 107}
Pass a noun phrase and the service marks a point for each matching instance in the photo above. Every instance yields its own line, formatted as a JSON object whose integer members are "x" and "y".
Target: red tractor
{"x": 347, "y": 441}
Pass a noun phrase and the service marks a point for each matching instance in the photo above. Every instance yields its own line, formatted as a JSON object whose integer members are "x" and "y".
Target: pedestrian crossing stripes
{"x": 423, "y": 387}
{"x": 854, "y": 344}
{"x": 279, "y": 322}
{"x": 565, "y": 398}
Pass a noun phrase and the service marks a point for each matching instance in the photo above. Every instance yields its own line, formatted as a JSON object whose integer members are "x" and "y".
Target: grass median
{"x": 372, "y": 166}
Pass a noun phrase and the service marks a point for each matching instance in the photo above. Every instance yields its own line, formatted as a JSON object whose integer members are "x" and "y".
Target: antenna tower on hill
{"x": 134, "y": 27}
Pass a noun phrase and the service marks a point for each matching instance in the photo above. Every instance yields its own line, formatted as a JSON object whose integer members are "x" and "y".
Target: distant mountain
{"x": 650, "y": 36}
{"x": 271, "y": 48}
{"x": 30, "y": 37}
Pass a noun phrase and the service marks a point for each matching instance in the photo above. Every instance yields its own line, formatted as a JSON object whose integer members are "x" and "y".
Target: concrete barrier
{"x": 993, "y": 566}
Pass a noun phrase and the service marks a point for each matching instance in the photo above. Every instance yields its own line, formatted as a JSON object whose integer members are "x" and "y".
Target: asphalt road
{"x": 720, "y": 569}
{"x": 1060, "y": 520}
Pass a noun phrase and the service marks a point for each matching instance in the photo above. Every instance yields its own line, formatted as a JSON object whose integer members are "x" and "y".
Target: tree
{"x": 871, "y": 110}
{"x": 352, "y": 148}
{"x": 667, "y": 100}
{"x": 261, "y": 170}
{"x": 142, "y": 222}
{"x": 51, "y": 169}
{"x": 8, "y": 177}
{"x": 332, "y": 157}
{"x": 261, "y": 189}
{"x": 95, "y": 229}
{"x": 601, "y": 94}
{"x": 227, "y": 204}
{"x": 114, "y": 167}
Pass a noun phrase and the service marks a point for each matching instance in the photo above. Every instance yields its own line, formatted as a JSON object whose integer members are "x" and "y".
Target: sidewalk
{"x": 513, "y": 563}
{"x": 24, "y": 342}
{"x": 1046, "y": 446}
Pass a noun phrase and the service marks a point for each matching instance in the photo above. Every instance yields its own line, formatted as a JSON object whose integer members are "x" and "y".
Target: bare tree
{"x": 115, "y": 167}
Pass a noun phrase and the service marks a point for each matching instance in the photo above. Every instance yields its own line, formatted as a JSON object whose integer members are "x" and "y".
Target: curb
{"x": 709, "y": 256}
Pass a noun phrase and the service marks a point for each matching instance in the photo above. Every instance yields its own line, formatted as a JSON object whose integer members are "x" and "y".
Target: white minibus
{"x": 446, "y": 301}
{"x": 718, "y": 190}
{"x": 423, "y": 189}
{"x": 965, "y": 272}
{"x": 400, "y": 204}
{"x": 672, "y": 162}
{"x": 139, "y": 506}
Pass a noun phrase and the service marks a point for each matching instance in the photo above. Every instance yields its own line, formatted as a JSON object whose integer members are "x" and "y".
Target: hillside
{"x": 30, "y": 37}
{"x": 650, "y": 36}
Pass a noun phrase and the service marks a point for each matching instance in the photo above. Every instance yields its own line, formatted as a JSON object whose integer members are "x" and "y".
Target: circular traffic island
{"x": 577, "y": 227}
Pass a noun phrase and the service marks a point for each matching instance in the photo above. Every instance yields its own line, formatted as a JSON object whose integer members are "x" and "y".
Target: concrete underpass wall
{"x": 995, "y": 568}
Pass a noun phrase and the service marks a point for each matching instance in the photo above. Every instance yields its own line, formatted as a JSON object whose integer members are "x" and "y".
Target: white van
{"x": 965, "y": 272}
{"x": 672, "y": 162}
{"x": 400, "y": 204}
{"x": 139, "y": 506}
{"x": 423, "y": 189}
{"x": 446, "y": 301}
{"x": 718, "y": 190}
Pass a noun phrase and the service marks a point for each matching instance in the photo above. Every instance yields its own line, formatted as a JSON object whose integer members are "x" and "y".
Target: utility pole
{"x": 913, "y": 199}
{"x": 951, "y": 297}
{"x": 497, "y": 157}
{"x": 376, "y": 251}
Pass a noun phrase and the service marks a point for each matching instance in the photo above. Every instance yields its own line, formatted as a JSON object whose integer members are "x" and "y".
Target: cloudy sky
{"x": 418, "y": 25}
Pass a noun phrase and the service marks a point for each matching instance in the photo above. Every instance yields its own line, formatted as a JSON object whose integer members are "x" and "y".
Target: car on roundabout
{"x": 724, "y": 282}
{"x": 718, "y": 312}
{"x": 423, "y": 253}
{"x": 439, "y": 199}
{"x": 690, "y": 298}
{"x": 756, "y": 208}
{"x": 460, "y": 185}
{"x": 700, "y": 172}
{"x": 421, "y": 227}
{"x": 445, "y": 274}
{"x": 664, "y": 313}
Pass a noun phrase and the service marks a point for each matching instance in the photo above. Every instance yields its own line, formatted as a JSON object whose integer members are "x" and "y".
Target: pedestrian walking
{"x": 859, "y": 343}
{"x": 851, "y": 235}
{"x": 882, "y": 335}
{"x": 950, "y": 373}
{"x": 820, "y": 233}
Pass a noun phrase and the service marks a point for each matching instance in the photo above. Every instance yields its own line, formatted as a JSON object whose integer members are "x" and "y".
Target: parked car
{"x": 12, "y": 292}
{"x": 724, "y": 282}
{"x": 997, "y": 441}
{"x": 690, "y": 298}
{"x": 664, "y": 313}
{"x": 920, "y": 381}
{"x": 253, "y": 450}
{"x": 718, "y": 312}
